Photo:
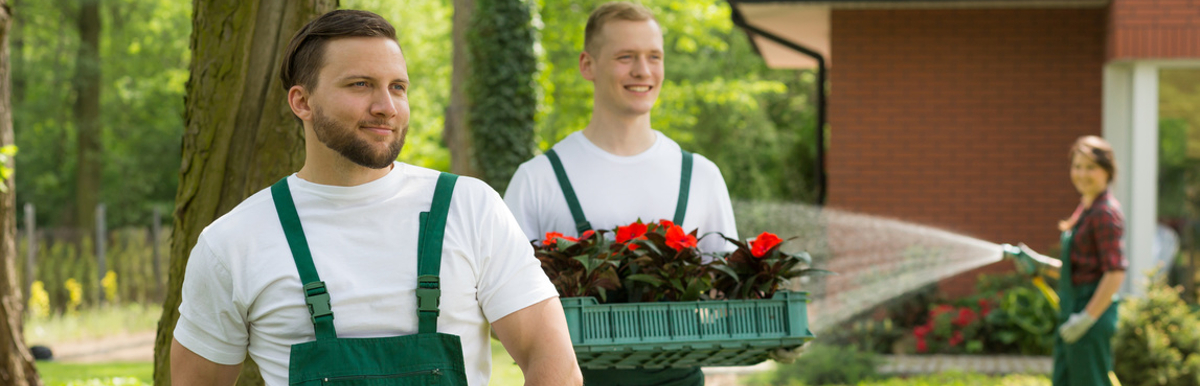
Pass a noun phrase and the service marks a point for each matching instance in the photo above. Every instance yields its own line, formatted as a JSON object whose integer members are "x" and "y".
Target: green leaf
{"x": 648, "y": 279}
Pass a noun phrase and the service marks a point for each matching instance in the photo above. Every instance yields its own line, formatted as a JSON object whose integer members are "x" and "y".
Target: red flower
{"x": 678, "y": 240}
{"x": 984, "y": 307}
{"x": 667, "y": 224}
{"x": 587, "y": 234}
{"x": 763, "y": 244}
{"x": 944, "y": 308}
{"x": 921, "y": 331}
{"x": 552, "y": 238}
{"x": 630, "y": 232}
{"x": 921, "y": 346}
{"x": 965, "y": 317}
{"x": 956, "y": 338}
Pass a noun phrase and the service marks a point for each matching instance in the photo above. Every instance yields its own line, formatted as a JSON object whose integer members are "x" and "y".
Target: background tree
{"x": 500, "y": 87}
{"x": 457, "y": 135}
{"x": 144, "y": 61}
{"x": 240, "y": 136}
{"x": 87, "y": 117}
{"x": 16, "y": 364}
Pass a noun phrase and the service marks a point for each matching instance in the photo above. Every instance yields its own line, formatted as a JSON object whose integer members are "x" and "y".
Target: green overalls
{"x": 425, "y": 358}
{"x": 686, "y": 376}
{"x": 1088, "y": 361}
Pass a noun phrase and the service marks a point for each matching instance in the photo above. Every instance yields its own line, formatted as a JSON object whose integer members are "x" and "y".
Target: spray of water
{"x": 876, "y": 259}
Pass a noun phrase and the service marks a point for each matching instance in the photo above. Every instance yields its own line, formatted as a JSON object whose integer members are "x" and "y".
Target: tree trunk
{"x": 16, "y": 364}
{"x": 457, "y": 134}
{"x": 87, "y": 118}
{"x": 240, "y": 135}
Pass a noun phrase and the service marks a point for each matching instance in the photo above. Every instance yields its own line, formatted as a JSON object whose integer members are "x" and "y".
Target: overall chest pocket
{"x": 410, "y": 360}
{"x": 412, "y": 378}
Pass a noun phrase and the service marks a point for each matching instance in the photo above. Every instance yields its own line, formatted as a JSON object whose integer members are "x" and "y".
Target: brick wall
{"x": 962, "y": 119}
{"x": 1154, "y": 29}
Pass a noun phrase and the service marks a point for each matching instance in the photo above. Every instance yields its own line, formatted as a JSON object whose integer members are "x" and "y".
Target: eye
{"x": 359, "y": 84}
{"x": 399, "y": 87}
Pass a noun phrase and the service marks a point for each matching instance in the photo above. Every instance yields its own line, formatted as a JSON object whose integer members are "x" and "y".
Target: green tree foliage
{"x": 1179, "y": 144}
{"x": 144, "y": 56}
{"x": 503, "y": 100}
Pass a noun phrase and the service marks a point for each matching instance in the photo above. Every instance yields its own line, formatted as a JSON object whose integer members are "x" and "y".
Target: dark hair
{"x": 1099, "y": 151}
{"x": 608, "y": 12}
{"x": 305, "y": 54}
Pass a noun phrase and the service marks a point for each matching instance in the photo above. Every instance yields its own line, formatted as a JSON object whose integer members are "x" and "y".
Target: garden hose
{"x": 1040, "y": 283}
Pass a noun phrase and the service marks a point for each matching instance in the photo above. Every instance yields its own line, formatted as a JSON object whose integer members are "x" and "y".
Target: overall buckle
{"x": 429, "y": 294}
{"x": 317, "y": 299}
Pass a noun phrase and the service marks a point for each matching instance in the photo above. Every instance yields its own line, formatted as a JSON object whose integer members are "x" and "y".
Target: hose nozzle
{"x": 1026, "y": 264}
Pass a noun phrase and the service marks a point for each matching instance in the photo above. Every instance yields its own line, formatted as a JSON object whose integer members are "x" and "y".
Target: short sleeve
{"x": 720, "y": 218}
{"x": 521, "y": 201}
{"x": 511, "y": 277}
{"x": 1109, "y": 230}
{"x": 210, "y": 323}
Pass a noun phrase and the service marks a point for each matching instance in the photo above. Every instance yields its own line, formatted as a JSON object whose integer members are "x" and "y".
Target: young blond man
{"x": 359, "y": 267}
{"x": 618, "y": 167}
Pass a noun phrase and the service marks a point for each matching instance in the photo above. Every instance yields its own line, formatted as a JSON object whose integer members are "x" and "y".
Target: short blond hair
{"x": 618, "y": 10}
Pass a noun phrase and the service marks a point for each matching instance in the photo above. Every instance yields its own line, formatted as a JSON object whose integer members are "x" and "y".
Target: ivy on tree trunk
{"x": 503, "y": 97}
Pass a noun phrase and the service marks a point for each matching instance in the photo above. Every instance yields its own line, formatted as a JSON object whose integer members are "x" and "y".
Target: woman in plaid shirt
{"x": 1093, "y": 270}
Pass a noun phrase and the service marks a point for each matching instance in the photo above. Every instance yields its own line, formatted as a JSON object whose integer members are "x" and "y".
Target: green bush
{"x": 1158, "y": 341}
{"x": 827, "y": 365}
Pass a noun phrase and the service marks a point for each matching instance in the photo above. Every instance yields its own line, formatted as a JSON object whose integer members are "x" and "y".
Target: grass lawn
{"x": 96, "y": 374}
{"x": 92, "y": 323}
{"x": 951, "y": 378}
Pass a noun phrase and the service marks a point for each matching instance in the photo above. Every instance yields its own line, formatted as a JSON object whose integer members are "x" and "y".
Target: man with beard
{"x": 414, "y": 265}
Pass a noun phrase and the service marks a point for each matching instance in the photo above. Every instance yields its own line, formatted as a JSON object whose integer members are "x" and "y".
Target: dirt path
{"x": 125, "y": 347}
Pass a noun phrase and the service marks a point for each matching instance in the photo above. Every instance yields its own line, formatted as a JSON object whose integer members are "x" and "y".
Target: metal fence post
{"x": 30, "y": 250}
{"x": 155, "y": 229}
{"x": 100, "y": 241}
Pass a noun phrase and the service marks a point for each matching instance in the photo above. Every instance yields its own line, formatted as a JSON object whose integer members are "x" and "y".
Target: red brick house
{"x": 959, "y": 113}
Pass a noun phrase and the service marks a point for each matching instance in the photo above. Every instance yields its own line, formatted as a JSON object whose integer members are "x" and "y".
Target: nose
{"x": 640, "y": 68}
{"x": 383, "y": 104}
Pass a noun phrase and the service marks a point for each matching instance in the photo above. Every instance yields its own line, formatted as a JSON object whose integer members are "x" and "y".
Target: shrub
{"x": 1158, "y": 341}
{"x": 828, "y": 365}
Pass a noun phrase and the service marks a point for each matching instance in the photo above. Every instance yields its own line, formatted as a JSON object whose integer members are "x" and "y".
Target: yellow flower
{"x": 39, "y": 300}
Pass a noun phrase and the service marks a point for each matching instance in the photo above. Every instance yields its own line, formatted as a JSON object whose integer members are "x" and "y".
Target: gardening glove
{"x": 786, "y": 356}
{"x": 1028, "y": 262}
{"x": 1076, "y": 325}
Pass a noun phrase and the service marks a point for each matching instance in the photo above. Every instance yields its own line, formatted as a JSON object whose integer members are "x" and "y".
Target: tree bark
{"x": 239, "y": 137}
{"x": 16, "y": 364}
{"x": 457, "y": 134}
{"x": 87, "y": 118}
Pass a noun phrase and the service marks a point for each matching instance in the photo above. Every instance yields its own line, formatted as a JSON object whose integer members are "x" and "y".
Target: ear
{"x": 586, "y": 63}
{"x": 298, "y": 101}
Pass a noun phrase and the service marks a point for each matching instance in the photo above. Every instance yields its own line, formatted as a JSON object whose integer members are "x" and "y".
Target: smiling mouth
{"x": 638, "y": 88}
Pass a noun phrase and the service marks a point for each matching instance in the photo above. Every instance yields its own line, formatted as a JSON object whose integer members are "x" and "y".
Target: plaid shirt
{"x": 1097, "y": 245}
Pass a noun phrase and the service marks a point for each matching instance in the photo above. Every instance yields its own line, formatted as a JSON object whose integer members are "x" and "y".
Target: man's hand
{"x": 538, "y": 340}
{"x": 786, "y": 356}
{"x": 1076, "y": 326}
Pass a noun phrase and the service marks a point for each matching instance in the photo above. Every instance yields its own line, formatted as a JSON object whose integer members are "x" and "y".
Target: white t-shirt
{"x": 615, "y": 191}
{"x": 242, "y": 293}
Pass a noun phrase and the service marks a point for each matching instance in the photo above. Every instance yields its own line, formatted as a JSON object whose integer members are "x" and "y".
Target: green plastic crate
{"x": 685, "y": 334}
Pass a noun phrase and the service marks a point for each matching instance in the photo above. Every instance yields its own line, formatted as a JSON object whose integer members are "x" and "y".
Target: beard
{"x": 344, "y": 139}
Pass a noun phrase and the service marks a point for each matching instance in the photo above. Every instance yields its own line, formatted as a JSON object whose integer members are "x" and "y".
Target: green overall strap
{"x": 429, "y": 254}
{"x": 581, "y": 222}
{"x": 315, "y": 294}
{"x": 685, "y": 185}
